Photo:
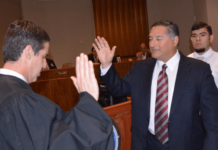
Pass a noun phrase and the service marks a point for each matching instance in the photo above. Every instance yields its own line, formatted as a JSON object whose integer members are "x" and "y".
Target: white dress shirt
{"x": 12, "y": 73}
{"x": 172, "y": 68}
{"x": 210, "y": 57}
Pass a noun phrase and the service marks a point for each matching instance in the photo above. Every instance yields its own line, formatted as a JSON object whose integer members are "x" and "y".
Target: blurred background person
{"x": 93, "y": 56}
{"x": 144, "y": 53}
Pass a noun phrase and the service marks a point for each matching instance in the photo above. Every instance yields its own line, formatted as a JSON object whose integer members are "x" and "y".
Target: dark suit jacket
{"x": 194, "y": 90}
{"x": 29, "y": 121}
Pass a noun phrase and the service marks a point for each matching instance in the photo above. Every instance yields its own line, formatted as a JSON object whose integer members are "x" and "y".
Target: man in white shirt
{"x": 167, "y": 92}
{"x": 201, "y": 38}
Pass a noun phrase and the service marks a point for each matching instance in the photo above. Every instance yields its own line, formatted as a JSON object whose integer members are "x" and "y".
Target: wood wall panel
{"x": 61, "y": 91}
{"x": 122, "y": 115}
{"x": 123, "y": 23}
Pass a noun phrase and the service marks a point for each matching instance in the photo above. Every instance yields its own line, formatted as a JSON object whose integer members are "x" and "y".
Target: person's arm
{"x": 117, "y": 86}
{"x": 104, "y": 71}
{"x": 41, "y": 124}
{"x": 209, "y": 110}
{"x": 88, "y": 121}
{"x": 86, "y": 126}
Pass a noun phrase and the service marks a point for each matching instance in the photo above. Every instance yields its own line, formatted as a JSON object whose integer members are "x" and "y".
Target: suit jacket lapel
{"x": 181, "y": 79}
{"x": 148, "y": 69}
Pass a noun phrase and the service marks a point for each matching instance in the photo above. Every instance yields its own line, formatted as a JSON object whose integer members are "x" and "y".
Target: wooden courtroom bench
{"x": 121, "y": 67}
{"x": 57, "y": 86}
{"x": 61, "y": 91}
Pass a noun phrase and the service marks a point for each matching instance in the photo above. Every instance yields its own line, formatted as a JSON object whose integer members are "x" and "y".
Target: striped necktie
{"x": 161, "y": 107}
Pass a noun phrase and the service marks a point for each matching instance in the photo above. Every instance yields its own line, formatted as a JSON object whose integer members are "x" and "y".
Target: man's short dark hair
{"x": 200, "y": 25}
{"x": 172, "y": 28}
{"x": 20, "y": 34}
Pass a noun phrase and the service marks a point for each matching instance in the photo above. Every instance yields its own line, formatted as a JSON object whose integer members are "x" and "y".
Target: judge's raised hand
{"x": 85, "y": 80}
{"x": 105, "y": 54}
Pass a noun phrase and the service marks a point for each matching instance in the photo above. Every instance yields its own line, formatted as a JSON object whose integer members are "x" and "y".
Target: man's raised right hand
{"x": 105, "y": 54}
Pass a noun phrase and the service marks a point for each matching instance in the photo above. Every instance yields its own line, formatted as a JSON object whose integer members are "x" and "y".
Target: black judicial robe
{"x": 29, "y": 121}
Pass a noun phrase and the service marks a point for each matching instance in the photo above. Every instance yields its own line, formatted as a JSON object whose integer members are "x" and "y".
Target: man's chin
{"x": 36, "y": 77}
{"x": 39, "y": 74}
{"x": 200, "y": 50}
{"x": 154, "y": 51}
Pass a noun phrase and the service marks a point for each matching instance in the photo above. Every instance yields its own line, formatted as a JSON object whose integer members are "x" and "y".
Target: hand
{"x": 105, "y": 55}
{"x": 85, "y": 78}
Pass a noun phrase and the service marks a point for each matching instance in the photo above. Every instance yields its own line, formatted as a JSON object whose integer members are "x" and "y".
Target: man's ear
{"x": 28, "y": 52}
{"x": 211, "y": 38}
{"x": 175, "y": 40}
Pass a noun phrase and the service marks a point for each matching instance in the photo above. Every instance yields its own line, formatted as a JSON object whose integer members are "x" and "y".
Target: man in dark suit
{"x": 30, "y": 121}
{"x": 167, "y": 92}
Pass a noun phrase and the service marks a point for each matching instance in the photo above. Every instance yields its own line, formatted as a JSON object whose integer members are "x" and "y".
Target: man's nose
{"x": 198, "y": 38}
{"x": 152, "y": 43}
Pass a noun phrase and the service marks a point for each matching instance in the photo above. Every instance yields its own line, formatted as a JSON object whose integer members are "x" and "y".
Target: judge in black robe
{"x": 29, "y": 121}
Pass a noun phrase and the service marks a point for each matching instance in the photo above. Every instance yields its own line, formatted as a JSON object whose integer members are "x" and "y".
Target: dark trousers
{"x": 152, "y": 143}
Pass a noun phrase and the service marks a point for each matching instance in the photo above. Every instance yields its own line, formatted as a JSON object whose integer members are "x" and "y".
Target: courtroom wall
{"x": 69, "y": 23}
{"x": 200, "y": 10}
{"x": 212, "y": 12}
{"x": 9, "y": 11}
{"x": 180, "y": 12}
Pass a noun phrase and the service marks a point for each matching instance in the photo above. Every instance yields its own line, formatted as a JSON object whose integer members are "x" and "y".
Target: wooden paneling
{"x": 121, "y": 67}
{"x": 123, "y": 23}
{"x": 121, "y": 114}
{"x": 61, "y": 91}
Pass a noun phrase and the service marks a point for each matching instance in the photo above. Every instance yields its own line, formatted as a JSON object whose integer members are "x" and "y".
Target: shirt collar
{"x": 12, "y": 73}
{"x": 205, "y": 55}
{"x": 171, "y": 63}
